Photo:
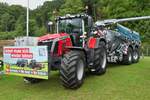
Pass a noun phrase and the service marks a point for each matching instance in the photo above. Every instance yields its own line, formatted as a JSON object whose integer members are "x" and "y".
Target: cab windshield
{"x": 70, "y": 25}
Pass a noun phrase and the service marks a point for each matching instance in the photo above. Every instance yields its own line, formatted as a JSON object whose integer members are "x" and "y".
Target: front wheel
{"x": 72, "y": 69}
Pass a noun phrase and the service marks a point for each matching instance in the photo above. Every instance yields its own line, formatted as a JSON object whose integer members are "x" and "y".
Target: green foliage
{"x": 20, "y": 26}
{"x": 32, "y": 27}
{"x": 7, "y": 35}
{"x": 7, "y": 22}
{"x": 13, "y": 18}
{"x": 71, "y": 7}
{"x": 41, "y": 31}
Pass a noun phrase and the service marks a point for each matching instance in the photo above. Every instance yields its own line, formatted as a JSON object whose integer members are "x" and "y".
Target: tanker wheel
{"x": 128, "y": 58}
{"x": 31, "y": 80}
{"x": 72, "y": 69}
{"x": 100, "y": 60}
{"x": 136, "y": 55}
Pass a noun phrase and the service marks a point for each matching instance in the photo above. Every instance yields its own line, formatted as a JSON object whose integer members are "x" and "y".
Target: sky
{"x": 32, "y": 3}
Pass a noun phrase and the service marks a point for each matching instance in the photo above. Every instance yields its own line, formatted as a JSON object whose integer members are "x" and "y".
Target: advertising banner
{"x": 26, "y": 61}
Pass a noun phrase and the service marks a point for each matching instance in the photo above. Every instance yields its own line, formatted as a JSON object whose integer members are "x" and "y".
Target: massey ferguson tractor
{"x": 78, "y": 45}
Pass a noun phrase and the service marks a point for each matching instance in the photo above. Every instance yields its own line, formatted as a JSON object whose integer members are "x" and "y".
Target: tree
{"x": 92, "y": 7}
{"x": 33, "y": 27}
{"x": 71, "y": 7}
{"x": 20, "y": 26}
{"x": 7, "y": 22}
{"x": 16, "y": 11}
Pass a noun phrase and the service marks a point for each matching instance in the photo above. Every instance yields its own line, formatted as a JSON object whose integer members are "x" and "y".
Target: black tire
{"x": 136, "y": 55}
{"x": 100, "y": 60}
{"x": 128, "y": 58}
{"x": 72, "y": 69}
{"x": 31, "y": 80}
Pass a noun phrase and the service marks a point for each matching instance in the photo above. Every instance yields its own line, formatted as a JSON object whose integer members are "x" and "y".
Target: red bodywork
{"x": 64, "y": 40}
{"x": 92, "y": 43}
{"x": 51, "y": 36}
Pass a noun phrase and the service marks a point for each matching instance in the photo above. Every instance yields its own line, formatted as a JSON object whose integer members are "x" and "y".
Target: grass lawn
{"x": 119, "y": 83}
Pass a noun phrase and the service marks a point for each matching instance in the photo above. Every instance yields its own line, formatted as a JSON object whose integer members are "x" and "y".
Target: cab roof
{"x": 68, "y": 16}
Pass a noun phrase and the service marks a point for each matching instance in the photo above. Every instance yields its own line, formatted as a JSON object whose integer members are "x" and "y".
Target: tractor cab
{"x": 74, "y": 25}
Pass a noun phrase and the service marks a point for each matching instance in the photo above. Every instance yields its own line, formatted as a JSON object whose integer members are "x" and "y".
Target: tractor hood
{"x": 52, "y": 36}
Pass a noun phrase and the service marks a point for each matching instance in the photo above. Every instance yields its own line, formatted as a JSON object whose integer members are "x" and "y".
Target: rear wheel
{"x": 136, "y": 55}
{"x": 72, "y": 69}
{"x": 128, "y": 58}
{"x": 100, "y": 60}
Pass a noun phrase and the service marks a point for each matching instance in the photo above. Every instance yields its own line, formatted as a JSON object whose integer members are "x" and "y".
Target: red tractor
{"x": 73, "y": 49}
{"x": 78, "y": 45}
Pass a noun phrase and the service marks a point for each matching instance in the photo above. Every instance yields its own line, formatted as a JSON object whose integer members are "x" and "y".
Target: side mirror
{"x": 90, "y": 21}
{"x": 49, "y": 26}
